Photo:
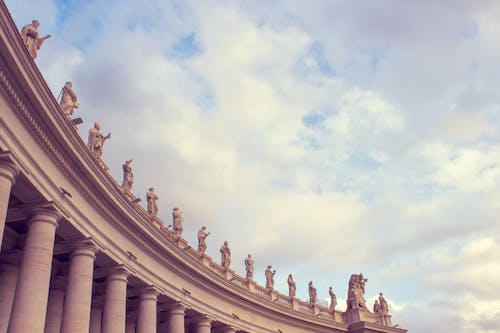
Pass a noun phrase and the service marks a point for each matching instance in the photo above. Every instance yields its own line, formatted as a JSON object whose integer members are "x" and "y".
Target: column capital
{"x": 150, "y": 292}
{"x": 44, "y": 212}
{"x": 8, "y": 170}
{"x": 229, "y": 329}
{"x": 204, "y": 321}
{"x": 84, "y": 248}
{"x": 118, "y": 273}
{"x": 177, "y": 308}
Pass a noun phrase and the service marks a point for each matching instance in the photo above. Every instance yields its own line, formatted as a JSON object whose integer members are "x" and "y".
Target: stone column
{"x": 146, "y": 320}
{"x": 30, "y": 300}
{"x": 8, "y": 174}
{"x": 95, "y": 320}
{"x": 54, "y": 311}
{"x": 176, "y": 319}
{"x": 130, "y": 325}
{"x": 203, "y": 325}
{"x": 115, "y": 302}
{"x": 77, "y": 304}
{"x": 8, "y": 281}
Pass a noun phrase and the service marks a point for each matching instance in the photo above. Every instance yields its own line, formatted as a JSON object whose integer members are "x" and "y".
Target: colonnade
{"x": 33, "y": 300}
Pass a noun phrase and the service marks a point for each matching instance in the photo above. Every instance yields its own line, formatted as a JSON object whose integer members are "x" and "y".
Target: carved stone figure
{"x": 225, "y": 255}
{"x": 291, "y": 286}
{"x": 96, "y": 140}
{"x": 333, "y": 300}
{"x": 177, "y": 222}
{"x": 356, "y": 291}
{"x": 31, "y": 38}
{"x": 202, "y": 235}
{"x": 151, "y": 198}
{"x": 68, "y": 99}
{"x": 269, "y": 277}
{"x": 249, "y": 266}
{"x": 384, "y": 308}
{"x": 313, "y": 295}
{"x": 128, "y": 177}
{"x": 376, "y": 307}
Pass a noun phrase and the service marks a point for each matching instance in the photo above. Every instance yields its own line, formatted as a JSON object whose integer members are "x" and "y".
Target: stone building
{"x": 78, "y": 256}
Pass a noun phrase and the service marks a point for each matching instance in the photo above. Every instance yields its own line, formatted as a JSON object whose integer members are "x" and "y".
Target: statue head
{"x": 203, "y": 228}
{"x": 249, "y": 255}
{"x": 35, "y": 23}
{"x": 151, "y": 189}
{"x": 69, "y": 84}
{"x": 225, "y": 243}
{"x": 176, "y": 208}
{"x": 97, "y": 126}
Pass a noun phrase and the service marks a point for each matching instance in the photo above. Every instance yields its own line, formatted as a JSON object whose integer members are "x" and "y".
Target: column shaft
{"x": 76, "y": 313}
{"x": 176, "y": 319}
{"x": 95, "y": 320}
{"x": 54, "y": 311}
{"x": 204, "y": 325}
{"x": 130, "y": 326}
{"x": 115, "y": 303}
{"x": 146, "y": 321}
{"x": 30, "y": 300}
{"x": 8, "y": 281}
{"x": 8, "y": 174}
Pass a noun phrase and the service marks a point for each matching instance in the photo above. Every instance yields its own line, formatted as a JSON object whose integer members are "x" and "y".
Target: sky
{"x": 325, "y": 138}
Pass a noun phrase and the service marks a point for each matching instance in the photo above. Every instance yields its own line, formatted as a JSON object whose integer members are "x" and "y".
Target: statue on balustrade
{"x": 31, "y": 38}
{"x": 225, "y": 255}
{"x": 356, "y": 291}
{"x": 177, "y": 222}
{"x": 151, "y": 198}
{"x": 333, "y": 300}
{"x": 292, "y": 287}
{"x": 68, "y": 100}
{"x": 202, "y": 235}
{"x": 249, "y": 266}
{"x": 313, "y": 295}
{"x": 128, "y": 177}
{"x": 384, "y": 308}
{"x": 376, "y": 307}
{"x": 269, "y": 277}
{"x": 96, "y": 140}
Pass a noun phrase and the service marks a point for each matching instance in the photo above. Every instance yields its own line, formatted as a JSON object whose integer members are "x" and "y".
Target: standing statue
{"x": 269, "y": 277}
{"x": 202, "y": 235}
{"x": 68, "y": 101}
{"x": 333, "y": 300}
{"x": 31, "y": 38}
{"x": 249, "y": 266}
{"x": 291, "y": 286}
{"x": 128, "y": 177}
{"x": 177, "y": 222}
{"x": 376, "y": 307}
{"x": 313, "y": 295}
{"x": 384, "y": 308}
{"x": 355, "y": 293}
{"x": 151, "y": 198}
{"x": 225, "y": 255}
{"x": 96, "y": 140}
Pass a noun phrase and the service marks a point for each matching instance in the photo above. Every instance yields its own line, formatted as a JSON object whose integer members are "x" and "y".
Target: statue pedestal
{"x": 205, "y": 260}
{"x": 274, "y": 295}
{"x": 315, "y": 308}
{"x": 251, "y": 285}
{"x": 357, "y": 315}
{"x": 295, "y": 303}
{"x": 228, "y": 274}
{"x": 385, "y": 320}
{"x": 181, "y": 242}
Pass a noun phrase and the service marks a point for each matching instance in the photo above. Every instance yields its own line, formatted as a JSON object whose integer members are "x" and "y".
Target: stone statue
{"x": 177, "y": 222}
{"x": 128, "y": 177}
{"x": 313, "y": 295}
{"x": 151, "y": 198}
{"x": 225, "y": 255}
{"x": 249, "y": 266}
{"x": 291, "y": 286}
{"x": 31, "y": 38}
{"x": 68, "y": 99}
{"x": 269, "y": 277}
{"x": 333, "y": 300}
{"x": 376, "y": 307}
{"x": 96, "y": 140}
{"x": 355, "y": 293}
{"x": 384, "y": 308}
{"x": 202, "y": 235}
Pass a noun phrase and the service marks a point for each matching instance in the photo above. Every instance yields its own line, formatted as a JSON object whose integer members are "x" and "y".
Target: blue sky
{"x": 326, "y": 140}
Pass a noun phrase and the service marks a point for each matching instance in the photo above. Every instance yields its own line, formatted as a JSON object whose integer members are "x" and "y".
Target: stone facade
{"x": 77, "y": 257}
